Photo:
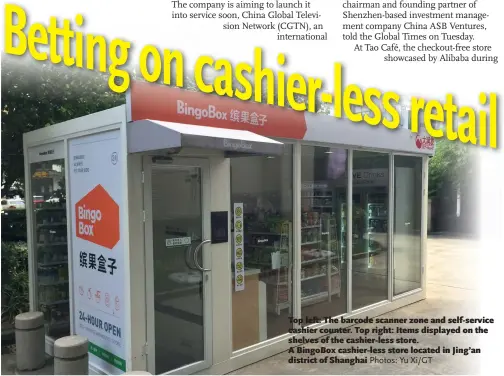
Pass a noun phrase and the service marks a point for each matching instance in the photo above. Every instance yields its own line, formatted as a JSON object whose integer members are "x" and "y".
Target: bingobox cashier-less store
{"x": 183, "y": 232}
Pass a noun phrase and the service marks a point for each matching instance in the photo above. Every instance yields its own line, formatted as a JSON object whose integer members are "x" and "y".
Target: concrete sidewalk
{"x": 9, "y": 366}
{"x": 452, "y": 290}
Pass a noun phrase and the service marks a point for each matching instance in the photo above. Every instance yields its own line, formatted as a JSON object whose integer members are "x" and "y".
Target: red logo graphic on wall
{"x": 97, "y": 218}
{"x": 424, "y": 142}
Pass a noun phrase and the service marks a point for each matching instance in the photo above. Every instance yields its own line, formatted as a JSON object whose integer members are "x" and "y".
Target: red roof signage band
{"x": 158, "y": 102}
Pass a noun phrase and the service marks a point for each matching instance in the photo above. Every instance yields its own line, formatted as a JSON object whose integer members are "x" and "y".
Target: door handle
{"x": 195, "y": 255}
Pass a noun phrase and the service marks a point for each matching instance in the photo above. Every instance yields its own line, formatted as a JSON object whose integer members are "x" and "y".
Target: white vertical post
{"x": 296, "y": 256}
{"x": 149, "y": 262}
{"x": 69, "y": 236}
{"x": 32, "y": 282}
{"x": 390, "y": 235}
{"x": 349, "y": 219}
{"x": 125, "y": 228}
{"x": 425, "y": 199}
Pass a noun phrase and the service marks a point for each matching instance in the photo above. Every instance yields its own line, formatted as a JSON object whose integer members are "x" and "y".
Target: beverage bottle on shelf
{"x": 43, "y": 275}
{"x": 42, "y": 295}
{"x": 49, "y": 294}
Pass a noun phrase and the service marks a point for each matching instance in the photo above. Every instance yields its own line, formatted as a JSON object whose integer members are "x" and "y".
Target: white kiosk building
{"x": 183, "y": 232}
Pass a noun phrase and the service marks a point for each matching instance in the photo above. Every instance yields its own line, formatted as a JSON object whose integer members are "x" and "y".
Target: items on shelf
{"x": 309, "y": 219}
{"x": 377, "y": 210}
{"x": 319, "y": 201}
{"x": 310, "y": 236}
{"x": 50, "y": 294}
{"x": 320, "y": 259}
{"x": 57, "y": 318}
{"x": 369, "y": 225}
{"x": 51, "y": 275}
{"x": 377, "y": 225}
{"x": 357, "y": 230}
{"x": 268, "y": 247}
{"x": 318, "y": 196}
{"x": 52, "y": 254}
{"x": 50, "y": 234}
{"x": 55, "y": 215}
{"x": 283, "y": 294}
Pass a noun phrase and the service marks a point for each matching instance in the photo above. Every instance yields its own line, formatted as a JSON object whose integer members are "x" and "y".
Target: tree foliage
{"x": 35, "y": 95}
{"x": 452, "y": 164}
{"x": 14, "y": 280}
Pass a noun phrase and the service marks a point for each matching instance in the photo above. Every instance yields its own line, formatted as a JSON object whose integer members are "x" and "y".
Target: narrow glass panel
{"x": 370, "y": 228}
{"x": 407, "y": 223}
{"x": 262, "y": 185}
{"x": 51, "y": 246}
{"x": 323, "y": 232}
{"x": 178, "y": 284}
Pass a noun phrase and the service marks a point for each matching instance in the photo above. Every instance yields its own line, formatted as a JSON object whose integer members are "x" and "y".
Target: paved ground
{"x": 452, "y": 291}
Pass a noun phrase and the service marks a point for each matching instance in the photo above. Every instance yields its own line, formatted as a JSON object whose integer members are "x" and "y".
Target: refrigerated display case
{"x": 50, "y": 245}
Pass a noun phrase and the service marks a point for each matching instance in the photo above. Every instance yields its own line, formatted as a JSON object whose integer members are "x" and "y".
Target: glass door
{"x": 178, "y": 302}
{"x": 49, "y": 215}
{"x": 407, "y": 223}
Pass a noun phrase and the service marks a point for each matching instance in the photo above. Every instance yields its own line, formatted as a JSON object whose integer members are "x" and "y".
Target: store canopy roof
{"x": 151, "y": 135}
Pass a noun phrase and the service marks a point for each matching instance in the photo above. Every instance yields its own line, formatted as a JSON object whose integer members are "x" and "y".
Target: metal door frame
{"x": 148, "y": 166}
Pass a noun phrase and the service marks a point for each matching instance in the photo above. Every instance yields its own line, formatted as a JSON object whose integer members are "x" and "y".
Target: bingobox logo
{"x": 424, "y": 142}
{"x": 237, "y": 145}
{"x": 209, "y": 112}
{"x": 97, "y": 218}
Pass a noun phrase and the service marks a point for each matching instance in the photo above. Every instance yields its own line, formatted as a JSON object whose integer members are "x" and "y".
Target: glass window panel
{"x": 178, "y": 284}
{"x": 264, "y": 186}
{"x": 370, "y": 228}
{"x": 407, "y": 223}
{"x": 323, "y": 231}
{"x": 50, "y": 244}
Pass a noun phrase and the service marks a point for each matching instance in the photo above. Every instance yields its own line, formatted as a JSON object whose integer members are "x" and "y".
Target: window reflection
{"x": 370, "y": 228}
{"x": 407, "y": 223}
{"x": 323, "y": 204}
{"x": 263, "y": 185}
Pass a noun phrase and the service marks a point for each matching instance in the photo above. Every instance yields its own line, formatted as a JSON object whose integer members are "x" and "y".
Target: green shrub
{"x": 14, "y": 226}
{"x": 15, "y": 297}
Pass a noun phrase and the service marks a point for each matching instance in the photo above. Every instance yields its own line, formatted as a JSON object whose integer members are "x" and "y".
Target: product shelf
{"x": 54, "y": 224}
{"x": 310, "y": 243}
{"x": 52, "y": 263}
{"x": 376, "y": 228}
{"x": 320, "y": 259}
{"x": 51, "y": 244}
{"x": 273, "y": 258}
{"x": 317, "y": 298}
{"x": 55, "y": 283}
{"x": 321, "y": 265}
{"x": 56, "y": 302}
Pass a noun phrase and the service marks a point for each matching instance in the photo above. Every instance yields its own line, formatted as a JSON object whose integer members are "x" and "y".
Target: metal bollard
{"x": 71, "y": 356}
{"x": 30, "y": 341}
